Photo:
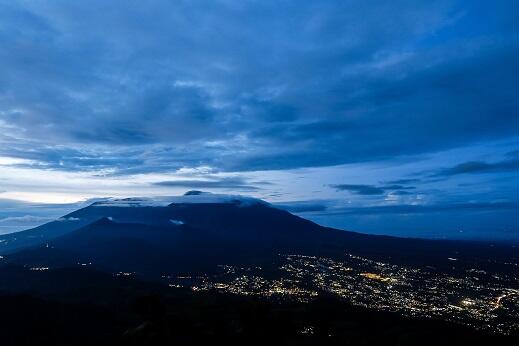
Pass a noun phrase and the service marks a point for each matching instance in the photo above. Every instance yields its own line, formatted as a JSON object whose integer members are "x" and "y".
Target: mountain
{"x": 198, "y": 231}
{"x": 192, "y": 254}
{"x": 146, "y": 211}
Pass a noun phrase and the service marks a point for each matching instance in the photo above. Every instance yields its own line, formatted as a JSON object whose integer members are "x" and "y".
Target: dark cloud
{"x": 360, "y": 189}
{"x": 475, "y": 167}
{"x": 402, "y": 193}
{"x": 369, "y": 189}
{"x": 236, "y": 183}
{"x": 151, "y": 87}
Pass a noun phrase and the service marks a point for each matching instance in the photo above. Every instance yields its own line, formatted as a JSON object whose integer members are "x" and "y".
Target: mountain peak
{"x": 194, "y": 193}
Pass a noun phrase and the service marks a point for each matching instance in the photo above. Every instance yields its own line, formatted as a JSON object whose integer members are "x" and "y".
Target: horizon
{"x": 399, "y": 119}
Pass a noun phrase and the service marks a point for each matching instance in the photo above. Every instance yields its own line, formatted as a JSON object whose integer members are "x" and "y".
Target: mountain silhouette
{"x": 199, "y": 231}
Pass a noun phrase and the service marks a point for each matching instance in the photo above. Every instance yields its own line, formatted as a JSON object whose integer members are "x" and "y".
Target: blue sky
{"x": 393, "y": 117}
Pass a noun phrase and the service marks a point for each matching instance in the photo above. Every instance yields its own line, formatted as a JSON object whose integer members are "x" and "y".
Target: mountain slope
{"x": 39, "y": 235}
{"x": 199, "y": 232}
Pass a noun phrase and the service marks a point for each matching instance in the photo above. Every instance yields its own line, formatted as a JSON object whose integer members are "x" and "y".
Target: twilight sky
{"x": 392, "y": 117}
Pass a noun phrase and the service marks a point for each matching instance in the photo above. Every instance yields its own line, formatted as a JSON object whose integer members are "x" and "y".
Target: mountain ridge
{"x": 218, "y": 230}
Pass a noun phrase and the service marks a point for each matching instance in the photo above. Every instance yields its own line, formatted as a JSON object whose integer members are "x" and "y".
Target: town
{"x": 474, "y": 297}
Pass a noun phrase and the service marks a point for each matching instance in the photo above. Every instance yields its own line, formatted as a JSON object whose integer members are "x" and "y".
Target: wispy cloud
{"x": 236, "y": 183}
{"x": 478, "y": 167}
{"x": 370, "y": 189}
{"x": 25, "y": 219}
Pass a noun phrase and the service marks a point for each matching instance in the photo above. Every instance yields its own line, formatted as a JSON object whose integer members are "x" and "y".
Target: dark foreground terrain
{"x": 93, "y": 308}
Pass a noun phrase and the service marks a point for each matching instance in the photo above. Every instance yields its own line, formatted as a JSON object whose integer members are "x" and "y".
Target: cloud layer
{"x": 159, "y": 86}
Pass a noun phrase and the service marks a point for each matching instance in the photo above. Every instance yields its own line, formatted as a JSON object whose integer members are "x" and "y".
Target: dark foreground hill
{"x": 85, "y": 307}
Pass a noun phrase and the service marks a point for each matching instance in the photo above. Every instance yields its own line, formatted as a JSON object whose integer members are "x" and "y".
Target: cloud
{"x": 237, "y": 183}
{"x": 65, "y": 219}
{"x": 25, "y": 219}
{"x": 360, "y": 189}
{"x": 477, "y": 167}
{"x": 18, "y": 215}
{"x": 401, "y": 193}
{"x": 140, "y": 89}
{"x": 369, "y": 189}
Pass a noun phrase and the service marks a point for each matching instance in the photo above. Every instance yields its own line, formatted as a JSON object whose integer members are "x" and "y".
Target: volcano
{"x": 199, "y": 231}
